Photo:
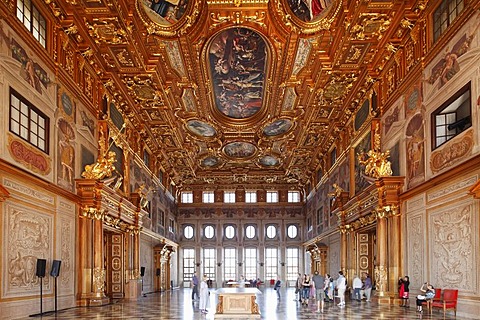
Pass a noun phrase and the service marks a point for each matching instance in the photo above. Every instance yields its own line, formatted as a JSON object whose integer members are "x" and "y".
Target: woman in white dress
{"x": 202, "y": 305}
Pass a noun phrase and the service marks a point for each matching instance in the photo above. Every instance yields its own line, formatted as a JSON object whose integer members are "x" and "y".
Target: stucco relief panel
{"x": 29, "y": 235}
{"x": 416, "y": 203}
{"x": 452, "y": 242}
{"x": 416, "y": 247}
{"x": 66, "y": 234}
{"x": 334, "y": 253}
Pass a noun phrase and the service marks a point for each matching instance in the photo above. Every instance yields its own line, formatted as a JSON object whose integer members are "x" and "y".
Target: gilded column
{"x": 394, "y": 248}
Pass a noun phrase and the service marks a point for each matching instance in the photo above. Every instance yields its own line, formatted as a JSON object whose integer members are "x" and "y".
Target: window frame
{"x": 249, "y": 227}
{"x": 269, "y": 227}
{"x": 208, "y": 261}
{"x": 185, "y": 232}
{"x": 40, "y": 115}
{"x": 229, "y": 263}
{"x": 208, "y": 196}
{"x": 227, "y": 232}
{"x": 441, "y": 111}
{"x": 293, "y": 196}
{"x": 186, "y": 197}
{"x": 188, "y": 263}
{"x": 210, "y": 227}
{"x": 293, "y": 262}
{"x": 250, "y": 196}
{"x": 229, "y": 196}
{"x": 444, "y": 15}
{"x": 36, "y": 26}
{"x": 272, "y": 196}
{"x": 289, "y": 227}
{"x": 251, "y": 257}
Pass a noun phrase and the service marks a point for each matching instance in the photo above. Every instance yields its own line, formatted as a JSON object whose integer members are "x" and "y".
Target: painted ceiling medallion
{"x": 210, "y": 161}
{"x": 269, "y": 161}
{"x": 239, "y": 150}
{"x": 278, "y": 128}
{"x": 309, "y": 10}
{"x": 201, "y": 128}
{"x": 237, "y": 66}
{"x": 165, "y": 12}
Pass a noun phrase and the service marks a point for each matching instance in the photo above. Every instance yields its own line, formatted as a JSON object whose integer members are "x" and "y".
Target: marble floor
{"x": 177, "y": 304}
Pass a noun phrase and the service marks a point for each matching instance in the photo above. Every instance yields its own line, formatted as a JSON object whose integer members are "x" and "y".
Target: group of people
{"x": 427, "y": 289}
{"x": 200, "y": 290}
{"x": 322, "y": 288}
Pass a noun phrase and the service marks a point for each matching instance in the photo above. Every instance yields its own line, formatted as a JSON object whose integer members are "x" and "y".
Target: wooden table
{"x": 237, "y": 303}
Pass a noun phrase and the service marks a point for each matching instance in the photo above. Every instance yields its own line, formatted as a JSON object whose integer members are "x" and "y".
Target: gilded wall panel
{"x": 453, "y": 233}
{"x": 416, "y": 248}
{"x": 29, "y": 234}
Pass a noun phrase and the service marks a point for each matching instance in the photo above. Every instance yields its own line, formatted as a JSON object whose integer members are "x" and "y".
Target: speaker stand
{"x": 41, "y": 295}
{"x": 55, "y": 294}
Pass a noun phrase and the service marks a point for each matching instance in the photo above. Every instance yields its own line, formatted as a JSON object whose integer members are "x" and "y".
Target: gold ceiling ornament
{"x": 92, "y": 213}
{"x": 106, "y": 30}
{"x": 237, "y": 17}
{"x": 377, "y": 164}
{"x": 370, "y": 26}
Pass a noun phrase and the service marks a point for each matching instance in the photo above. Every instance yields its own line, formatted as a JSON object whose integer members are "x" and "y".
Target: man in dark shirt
{"x": 195, "y": 286}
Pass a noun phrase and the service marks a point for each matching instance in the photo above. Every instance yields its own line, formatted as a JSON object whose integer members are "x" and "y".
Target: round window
{"x": 229, "y": 232}
{"x": 188, "y": 232}
{"x": 250, "y": 232}
{"x": 209, "y": 232}
{"x": 292, "y": 231}
{"x": 271, "y": 232}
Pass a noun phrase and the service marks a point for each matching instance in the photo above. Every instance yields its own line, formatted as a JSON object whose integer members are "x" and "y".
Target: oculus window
{"x": 250, "y": 232}
{"x": 292, "y": 231}
{"x": 271, "y": 232}
{"x": 188, "y": 232}
{"x": 209, "y": 232}
{"x": 229, "y": 232}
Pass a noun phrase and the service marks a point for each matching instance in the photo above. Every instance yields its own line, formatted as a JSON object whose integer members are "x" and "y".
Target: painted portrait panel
{"x": 237, "y": 67}
{"x": 66, "y": 154}
{"x": 361, "y": 149}
{"x": 165, "y": 12}
{"x": 210, "y": 162}
{"x": 415, "y": 150}
{"x": 239, "y": 150}
{"x": 277, "y": 128}
{"x": 308, "y": 10}
{"x": 201, "y": 128}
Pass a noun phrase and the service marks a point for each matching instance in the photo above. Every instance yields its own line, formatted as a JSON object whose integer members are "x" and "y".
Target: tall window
{"x": 229, "y": 197}
{"x": 272, "y": 196}
{"x": 28, "y": 122}
{"x": 146, "y": 158}
{"x": 250, "y": 196}
{"x": 444, "y": 15}
{"x": 229, "y": 265}
{"x": 293, "y": 196}
{"x": 188, "y": 264}
{"x": 251, "y": 263}
{"x": 453, "y": 117}
{"x": 31, "y": 18}
{"x": 208, "y": 196}
{"x": 271, "y": 263}
{"x": 171, "y": 227}
{"x": 186, "y": 196}
{"x": 292, "y": 263}
{"x": 209, "y": 262}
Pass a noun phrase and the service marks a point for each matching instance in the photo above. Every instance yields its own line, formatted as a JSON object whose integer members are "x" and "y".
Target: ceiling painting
{"x": 240, "y": 150}
{"x": 308, "y": 10}
{"x": 200, "y": 128}
{"x": 165, "y": 12}
{"x": 278, "y": 128}
{"x": 237, "y": 65}
{"x": 269, "y": 161}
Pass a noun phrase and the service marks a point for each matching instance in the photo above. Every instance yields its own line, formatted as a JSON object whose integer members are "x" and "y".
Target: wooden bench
{"x": 448, "y": 301}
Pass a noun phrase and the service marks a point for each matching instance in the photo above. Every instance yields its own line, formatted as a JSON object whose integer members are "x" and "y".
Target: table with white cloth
{"x": 237, "y": 303}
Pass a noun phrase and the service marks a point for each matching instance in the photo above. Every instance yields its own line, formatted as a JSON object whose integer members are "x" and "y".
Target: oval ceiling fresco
{"x": 210, "y": 161}
{"x": 278, "y": 127}
{"x": 165, "y": 12}
{"x": 201, "y": 128}
{"x": 237, "y": 66}
{"x": 308, "y": 10}
{"x": 269, "y": 161}
{"x": 239, "y": 150}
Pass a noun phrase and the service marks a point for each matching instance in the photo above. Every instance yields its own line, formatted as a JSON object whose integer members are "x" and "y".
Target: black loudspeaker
{"x": 55, "y": 272}
{"x": 142, "y": 271}
{"x": 41, "y": 264}
{"x": 158, "y": 272}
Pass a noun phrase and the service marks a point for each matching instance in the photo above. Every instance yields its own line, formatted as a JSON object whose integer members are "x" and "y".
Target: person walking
{"x": 298, "y": 287}
{"x": 406, "y": 292}
{"x": 319, "y": 283}
{"x": 357, "y": 286}
{"x": 204, "y": 295}
{"x": 195, "y": 286}
{"x": 306, "y": 284}
{"x": 278, "y": 285}
{"x": 341, "y": 287}
{"x": 368, "y": 287}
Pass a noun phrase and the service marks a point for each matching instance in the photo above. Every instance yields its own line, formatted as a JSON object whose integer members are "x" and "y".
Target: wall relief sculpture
{"x": 415, "y": 238}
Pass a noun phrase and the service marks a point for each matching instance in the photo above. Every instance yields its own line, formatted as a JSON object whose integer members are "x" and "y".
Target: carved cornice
{"x": 4, "y": 194}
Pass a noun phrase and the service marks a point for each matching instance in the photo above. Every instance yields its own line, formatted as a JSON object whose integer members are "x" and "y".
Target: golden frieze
{"x": 106, "y": 30}
{"x": 452, "y": 153}
{"x": 371, "y": 25}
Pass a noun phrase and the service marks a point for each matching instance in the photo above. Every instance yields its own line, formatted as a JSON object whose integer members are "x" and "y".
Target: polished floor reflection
{"x": 177, "y": 304}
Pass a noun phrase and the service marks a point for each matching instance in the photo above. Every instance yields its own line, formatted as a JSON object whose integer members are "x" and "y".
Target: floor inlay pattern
{"x": 177, "y": 304}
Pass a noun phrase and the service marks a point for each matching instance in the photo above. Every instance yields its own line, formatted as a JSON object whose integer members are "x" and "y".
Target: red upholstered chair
{"x": 438, "y": 294}
{"x": 449, "y": 301}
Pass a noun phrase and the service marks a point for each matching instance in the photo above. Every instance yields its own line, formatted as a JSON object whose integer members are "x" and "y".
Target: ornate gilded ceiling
{"x": 238, "y": 91}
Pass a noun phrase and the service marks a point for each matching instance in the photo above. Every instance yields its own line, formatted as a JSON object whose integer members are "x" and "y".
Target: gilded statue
{"x": 104, "y": 166}
{"x": 377, "y": 164}
{"x": 337, "y": 191}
